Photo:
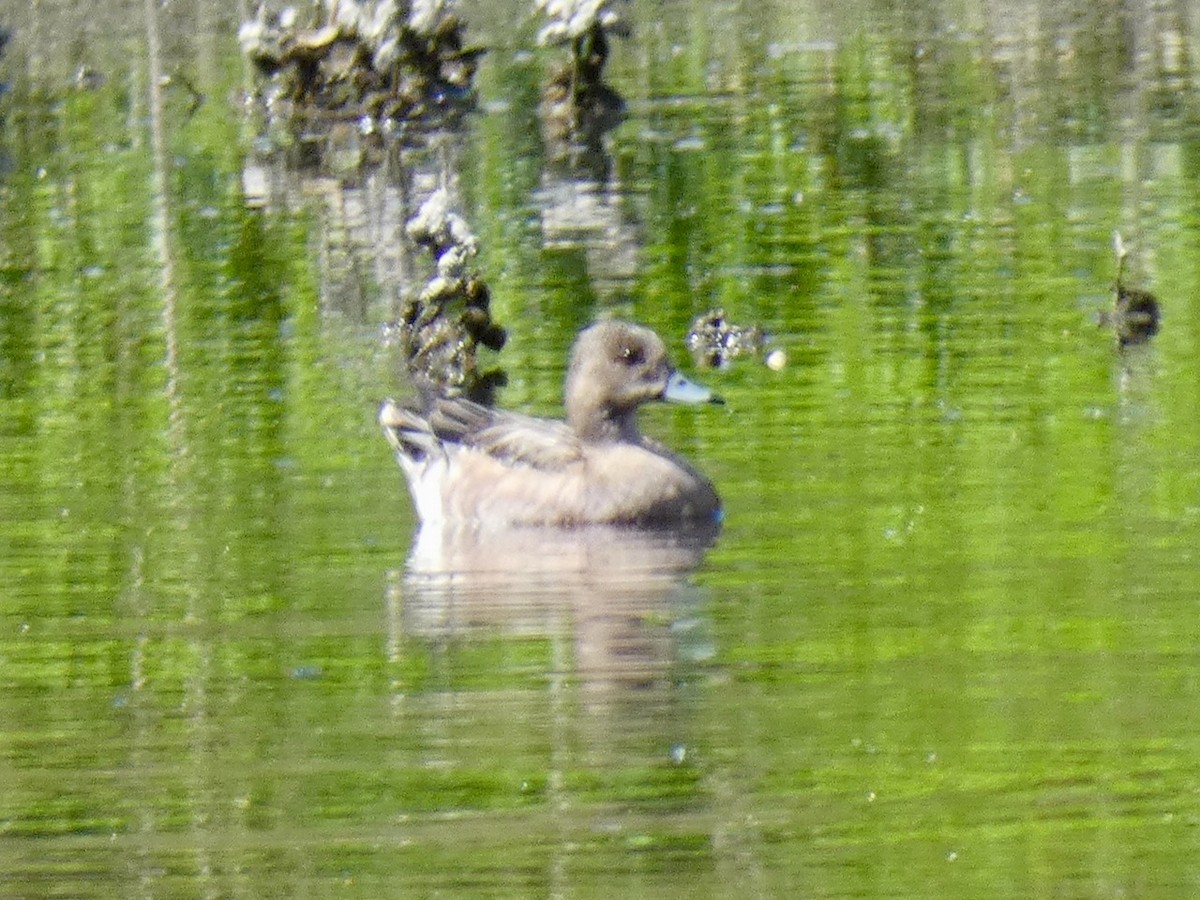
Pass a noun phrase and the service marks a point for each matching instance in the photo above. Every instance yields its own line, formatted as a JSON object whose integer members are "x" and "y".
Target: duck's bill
{"x": 680, "y": 390}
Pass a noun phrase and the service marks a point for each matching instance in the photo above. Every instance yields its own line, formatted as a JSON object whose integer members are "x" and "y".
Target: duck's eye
{"x": 632, "y": 356}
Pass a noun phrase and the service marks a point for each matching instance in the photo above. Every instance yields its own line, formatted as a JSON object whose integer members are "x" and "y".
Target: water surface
{"x": 945, "y": 642}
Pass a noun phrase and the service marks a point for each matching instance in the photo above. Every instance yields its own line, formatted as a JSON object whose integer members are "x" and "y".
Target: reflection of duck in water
{"x": 616, "y": 601}
{"x": 1134, "y": 316}
{"x": 467, "y": 462}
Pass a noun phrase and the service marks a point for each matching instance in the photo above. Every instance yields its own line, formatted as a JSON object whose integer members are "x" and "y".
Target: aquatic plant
{"x": 714, "y": 341}
{"x": 1134, "y": 316}
{"x": 442, "y": 324}
{"x": 383, "y": 59}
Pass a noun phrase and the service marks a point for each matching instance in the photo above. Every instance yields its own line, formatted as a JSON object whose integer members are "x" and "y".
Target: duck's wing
{"x": 507, "y": 436}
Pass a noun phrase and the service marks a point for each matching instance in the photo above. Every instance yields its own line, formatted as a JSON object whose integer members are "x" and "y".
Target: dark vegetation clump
{"x": 395, "y": 75}
{"x": 1134, "y": 317}
{"x": 714, "y": 341}
{"x": 385, "y": 60}
{"x": 442, "y": 324}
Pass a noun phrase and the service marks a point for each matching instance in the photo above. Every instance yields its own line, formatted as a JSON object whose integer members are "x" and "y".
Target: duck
{"x": 465, "y": 462}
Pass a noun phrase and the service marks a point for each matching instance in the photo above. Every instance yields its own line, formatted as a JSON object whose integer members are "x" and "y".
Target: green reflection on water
{"x": 946, "y": 642}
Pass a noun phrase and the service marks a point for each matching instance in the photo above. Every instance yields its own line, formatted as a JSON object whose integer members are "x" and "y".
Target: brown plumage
{"x": 468, "y": 462}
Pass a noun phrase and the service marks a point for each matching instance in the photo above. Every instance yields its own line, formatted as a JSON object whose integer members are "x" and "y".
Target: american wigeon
{"x": 466, "y": 462}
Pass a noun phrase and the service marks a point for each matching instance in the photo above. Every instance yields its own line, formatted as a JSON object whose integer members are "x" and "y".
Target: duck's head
{"x": 614, "y": 368}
